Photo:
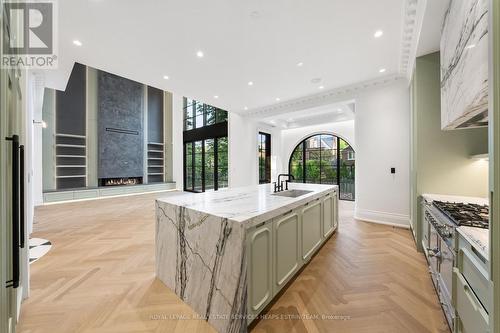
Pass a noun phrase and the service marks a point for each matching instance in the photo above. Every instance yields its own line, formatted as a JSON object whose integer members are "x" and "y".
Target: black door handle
{"x": 21, "y": 196}
{"x": 15, "y": 212}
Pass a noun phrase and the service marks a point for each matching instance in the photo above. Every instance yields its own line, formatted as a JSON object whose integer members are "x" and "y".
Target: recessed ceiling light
{"x": 378, "y": 33}
{"x": 166, "y": 77}
{"x": 321, "y": 87}
{"x": 255, "y": 14}
{"x": 272, "y": 121}
{"x": 216, "y": 96}
{"x": 245, "y": 108}
{"x": 250, "y": 83}
{"x": 278, "y": 99}
{"x": 382, "y": 70}
{"x": 339, "y": 110}
{"x": 77, "y": 42}
{"x": 199, "y": 54}
{"x": 300, "y": 64}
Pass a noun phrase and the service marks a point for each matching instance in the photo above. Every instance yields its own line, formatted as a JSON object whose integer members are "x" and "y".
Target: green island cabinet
{"x": 277, "y": 249}
{"x": 472, "y": 289}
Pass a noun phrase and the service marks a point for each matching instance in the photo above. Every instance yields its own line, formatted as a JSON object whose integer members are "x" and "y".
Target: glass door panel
{"x": 222, "y": 162}
{"x": 209, "y": 164}
{"x": 198, "y": 166}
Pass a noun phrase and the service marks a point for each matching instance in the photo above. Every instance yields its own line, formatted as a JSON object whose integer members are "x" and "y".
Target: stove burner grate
{"x": 463, "y": 214}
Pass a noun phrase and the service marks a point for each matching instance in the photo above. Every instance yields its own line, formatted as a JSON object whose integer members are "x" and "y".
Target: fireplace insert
{"x": 120, "y": 181}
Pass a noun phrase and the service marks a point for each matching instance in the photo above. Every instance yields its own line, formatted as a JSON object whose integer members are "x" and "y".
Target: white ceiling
{"x": 433, "y": 18}
{"x": 260, "y": 41}
{"x": 324, "y": 114}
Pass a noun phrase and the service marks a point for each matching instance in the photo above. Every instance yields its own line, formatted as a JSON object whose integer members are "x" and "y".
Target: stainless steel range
{"x": 442, "y": 218}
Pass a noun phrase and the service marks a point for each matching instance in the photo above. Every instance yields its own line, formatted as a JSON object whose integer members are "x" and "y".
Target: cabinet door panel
{"x": 311, "y": 229}
{"x": 335, "y": 210}
{"x": 260, "y": 268}
{"x": 286, "y": 246}
{"x": 328, "y": 215}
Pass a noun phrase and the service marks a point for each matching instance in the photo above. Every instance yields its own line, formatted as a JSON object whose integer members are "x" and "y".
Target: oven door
{"x": 433, "y": 253}
{"x": 447, "y": 257}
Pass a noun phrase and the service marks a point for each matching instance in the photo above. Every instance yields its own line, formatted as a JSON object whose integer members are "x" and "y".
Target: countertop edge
{"x": 265, "y": 216}
{"x": 475, "y": 241}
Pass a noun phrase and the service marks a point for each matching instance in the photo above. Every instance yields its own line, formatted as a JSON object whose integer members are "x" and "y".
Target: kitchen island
{"x": 228, "y": 253}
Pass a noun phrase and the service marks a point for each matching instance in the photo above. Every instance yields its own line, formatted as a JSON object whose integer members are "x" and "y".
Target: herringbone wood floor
{"x": 99, "y": 277}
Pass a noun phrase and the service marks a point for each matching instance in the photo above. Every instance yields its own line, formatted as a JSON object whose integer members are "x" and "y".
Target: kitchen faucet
{"x": 279, "y": 187}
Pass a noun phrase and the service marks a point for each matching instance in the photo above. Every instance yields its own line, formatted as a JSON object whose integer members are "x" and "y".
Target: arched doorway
{"x": 325, "y": 159}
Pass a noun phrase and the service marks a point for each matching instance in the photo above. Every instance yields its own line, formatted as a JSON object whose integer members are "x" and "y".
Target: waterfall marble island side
{"x": 228, "y": 253}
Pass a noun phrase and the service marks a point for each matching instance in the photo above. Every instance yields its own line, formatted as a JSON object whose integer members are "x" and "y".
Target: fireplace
{"x": 120, "y": 181}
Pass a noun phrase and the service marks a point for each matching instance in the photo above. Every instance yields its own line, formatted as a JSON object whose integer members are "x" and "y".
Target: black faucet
{"x": 279, "y": 187}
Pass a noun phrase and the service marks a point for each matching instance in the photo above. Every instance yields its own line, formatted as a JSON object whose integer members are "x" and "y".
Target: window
{"x": 264, "y": 140}
{"x": 198, "y": 114}
{"x": 205, "y": 147}
{"x": 325, "y": 159}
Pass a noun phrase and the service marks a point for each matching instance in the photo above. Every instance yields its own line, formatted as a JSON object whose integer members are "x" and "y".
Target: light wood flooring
{"x": 99, "y": 277}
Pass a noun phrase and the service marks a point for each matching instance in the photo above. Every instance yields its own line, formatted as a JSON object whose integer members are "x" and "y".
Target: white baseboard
{"x": 395, "y": 220}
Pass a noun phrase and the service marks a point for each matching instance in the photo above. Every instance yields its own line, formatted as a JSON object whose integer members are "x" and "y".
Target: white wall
{"x": 382, "y": 132}
{"x": 242, "y": 156}
{"x": 177, "y": 141}
{"x": 277, "y": 161}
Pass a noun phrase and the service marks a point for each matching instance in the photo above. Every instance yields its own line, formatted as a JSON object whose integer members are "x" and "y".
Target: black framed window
{"x": 264, "y": 147}
{"x": 325, "y": 159}
{"x": 205, "y": 147}
{"x": 198, "y": 114}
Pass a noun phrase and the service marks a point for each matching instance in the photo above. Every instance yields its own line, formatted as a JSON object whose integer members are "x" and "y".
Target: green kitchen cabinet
{"x": 286, "y": 246}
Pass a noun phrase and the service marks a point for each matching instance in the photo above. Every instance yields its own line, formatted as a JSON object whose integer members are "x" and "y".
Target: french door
{"x": 205, "y": 164}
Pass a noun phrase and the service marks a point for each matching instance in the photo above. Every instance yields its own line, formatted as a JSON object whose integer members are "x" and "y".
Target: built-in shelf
{"x": 70, "y": 148}
{"x": 72, "y": 176}
{"x": 74, "y": 136}
{"x": 155, "y": 154}
{"x": 71, "y": 156}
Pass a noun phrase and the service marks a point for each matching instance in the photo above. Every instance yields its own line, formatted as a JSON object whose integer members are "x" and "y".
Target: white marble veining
{"x": 464, "y": 64}
{"x": 479, "y": 238}
{"x": 200, "y": 246}
{"x": 455, "y": 198}
{"x": 249, "y": 205}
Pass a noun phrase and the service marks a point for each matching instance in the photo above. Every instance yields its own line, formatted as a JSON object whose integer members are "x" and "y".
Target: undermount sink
{"x": 292, "y": 193}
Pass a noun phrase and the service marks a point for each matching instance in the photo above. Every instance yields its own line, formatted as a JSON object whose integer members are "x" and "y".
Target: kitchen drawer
{"x": 471, "y": 265}
{"x": 473, "y": 318}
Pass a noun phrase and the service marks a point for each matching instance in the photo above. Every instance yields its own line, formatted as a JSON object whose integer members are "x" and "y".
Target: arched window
{"x": 325, "y": 159}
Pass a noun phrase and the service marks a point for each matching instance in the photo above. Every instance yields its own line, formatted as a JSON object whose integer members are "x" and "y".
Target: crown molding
{"x": 323, "y": 98}
{"x": 413, "y": 14}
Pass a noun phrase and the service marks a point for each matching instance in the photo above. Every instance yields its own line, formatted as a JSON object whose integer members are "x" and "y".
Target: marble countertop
{"x": 478, "y": 237}
{"x": 455, "y": 198}
{"x": 250, "y": 205}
